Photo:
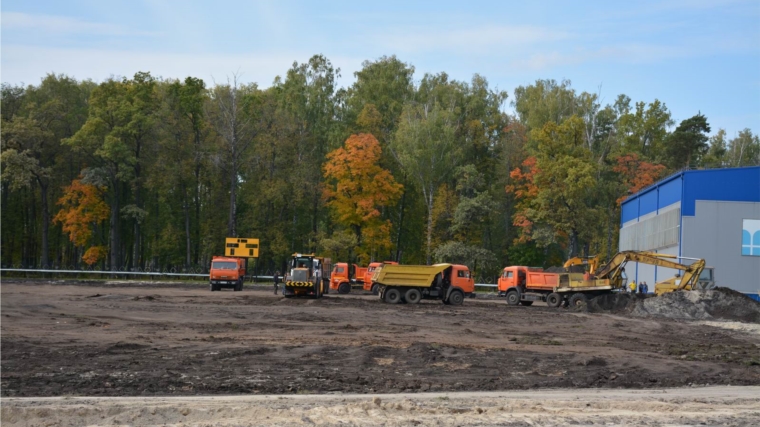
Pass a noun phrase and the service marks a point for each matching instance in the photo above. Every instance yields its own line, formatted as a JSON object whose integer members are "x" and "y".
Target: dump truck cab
{"x": 226, "y": 272}
{"x": 369, "y": 272}
{"x": 516, "y": 277}
{"x": 450, "y": 283}
{"x": 308, "y": 275}
{"x": 344, "y": 276}
{"x": 462, "y": 279}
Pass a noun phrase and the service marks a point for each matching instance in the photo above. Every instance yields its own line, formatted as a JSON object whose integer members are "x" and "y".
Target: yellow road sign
{"x": 241, "y": 247}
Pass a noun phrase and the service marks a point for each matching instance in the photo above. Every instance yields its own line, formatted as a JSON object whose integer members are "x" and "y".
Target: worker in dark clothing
{"x": 276, "y": 280}
{"x": 646, "y": 288}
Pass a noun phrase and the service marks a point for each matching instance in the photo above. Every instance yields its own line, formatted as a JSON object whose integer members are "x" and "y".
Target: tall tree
{"x": 32, "y": 136}
{"x": 386, "y": 84}
{"x": 744, "y": 150}
{"x": 644, "y": 130}
{"x": 358, "y": 188}
{"x": 82, "y": 210}
{"x": 688, "y": 143}
{"x": 557, "y": 187}
{"x": 229, "y": 119}
{"x": 426, "y": 148}
{"x": 120, "y": 122}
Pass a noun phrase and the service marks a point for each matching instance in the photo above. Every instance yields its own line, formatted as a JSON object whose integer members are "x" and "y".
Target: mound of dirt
{"x": 719, "y": 303}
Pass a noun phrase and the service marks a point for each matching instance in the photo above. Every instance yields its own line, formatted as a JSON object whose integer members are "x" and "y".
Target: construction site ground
{"x": 73, "y": 338}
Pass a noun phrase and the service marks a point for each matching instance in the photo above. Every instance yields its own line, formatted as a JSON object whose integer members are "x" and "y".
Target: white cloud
{"x": 29, "y": 64}
{"x": 50, "y": 24}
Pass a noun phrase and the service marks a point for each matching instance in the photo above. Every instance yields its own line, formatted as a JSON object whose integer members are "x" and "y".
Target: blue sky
{"x": 699, "y": 55}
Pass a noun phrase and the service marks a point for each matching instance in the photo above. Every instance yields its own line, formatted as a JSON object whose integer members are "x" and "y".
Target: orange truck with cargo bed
{"x": 368, "y": 285}
{"x": 525, "y": 285}
{"x": 450, "y": 283}
{"x": 227, "y": 272}
{"x": 345, "y": 276}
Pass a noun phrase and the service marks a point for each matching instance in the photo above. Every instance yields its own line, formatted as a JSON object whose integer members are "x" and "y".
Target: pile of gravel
{"x": 717, "y": 304}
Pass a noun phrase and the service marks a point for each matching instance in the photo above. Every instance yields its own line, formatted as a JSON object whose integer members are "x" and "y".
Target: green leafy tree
{"x": 557, "y": 188}
{"x": 643, "y": 131}
{"x": 688, "y": 143}
{"x": 120, "y": 123}
{"x": 426, "y": 148}
{"x": 744, "y": 150}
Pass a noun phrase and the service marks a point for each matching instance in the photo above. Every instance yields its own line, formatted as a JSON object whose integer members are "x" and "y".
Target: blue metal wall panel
{"x": 648, "y": 202}
{"x": 735, "y": 184}
{"x": 670, "y": 192}
{"x": 630, "y": 210}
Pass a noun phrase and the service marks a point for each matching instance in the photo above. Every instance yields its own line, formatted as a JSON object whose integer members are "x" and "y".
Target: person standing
{"x": 276, "y": 280}
{"x": 632, "y": 287}
{"x": 641, "y": 287}
{"x": 646, "y": 288}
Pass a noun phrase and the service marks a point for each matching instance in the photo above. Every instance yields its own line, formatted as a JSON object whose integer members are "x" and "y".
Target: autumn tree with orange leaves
{"x": 357, "y": 189}
{"x": 637, "y": 174}
{"x": 82, "y": 209}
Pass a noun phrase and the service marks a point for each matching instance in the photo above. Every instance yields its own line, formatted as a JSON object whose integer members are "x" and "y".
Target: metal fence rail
{"x": 149, "y": 273}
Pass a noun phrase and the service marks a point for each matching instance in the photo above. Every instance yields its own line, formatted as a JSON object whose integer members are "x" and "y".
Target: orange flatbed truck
{"x": 227, "y": 272}
{"x": 344, "y": 277}
{"x": 526, "y": 285}
{"x": 368, "y": 285}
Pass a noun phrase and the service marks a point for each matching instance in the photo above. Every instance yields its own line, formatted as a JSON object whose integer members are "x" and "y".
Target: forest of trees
{"x": 142, "y": 172}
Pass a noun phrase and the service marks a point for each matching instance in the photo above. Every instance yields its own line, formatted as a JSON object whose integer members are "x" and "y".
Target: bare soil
{"x": 133, "y": 339}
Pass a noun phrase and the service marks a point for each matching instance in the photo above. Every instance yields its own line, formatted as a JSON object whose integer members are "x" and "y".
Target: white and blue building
{"x": 712, "y": 214}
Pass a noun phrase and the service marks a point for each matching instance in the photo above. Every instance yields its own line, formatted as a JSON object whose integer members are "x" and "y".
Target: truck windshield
{"x": 224, "y": 265}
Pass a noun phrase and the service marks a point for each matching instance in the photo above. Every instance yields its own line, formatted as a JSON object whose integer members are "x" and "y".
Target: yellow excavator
{"x": 591, "y": 261}
{"x": 695, "y": 275}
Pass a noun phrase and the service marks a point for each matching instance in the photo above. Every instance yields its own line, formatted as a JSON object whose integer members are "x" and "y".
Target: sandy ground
{"x": 714, "y": 406}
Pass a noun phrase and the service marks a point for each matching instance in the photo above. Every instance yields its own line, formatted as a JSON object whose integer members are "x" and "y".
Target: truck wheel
{"x": 526, "y": 303}
{"x": 456, "y": 298}
{"x": 413, "y": 296}
{"x": 554, "y": 300}
{"x": 513, "y": 297}
{"x": 392, "y": 296}
{"x": 578, "y": 300}
{"x": 212, "y": 287}
{"x": 344, "y": 288}
{"x": 375, "y": 289}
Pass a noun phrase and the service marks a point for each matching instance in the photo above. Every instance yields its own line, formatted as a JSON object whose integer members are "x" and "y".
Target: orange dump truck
{"x": 227, "y": 272}
{"x": 344, "y": 277}
{"x": 449, "y": 283}
{"x": 368, "y": 285}
{"x": 525, "y": 285}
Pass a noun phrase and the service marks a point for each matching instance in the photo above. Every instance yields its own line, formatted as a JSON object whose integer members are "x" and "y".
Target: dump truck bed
{"x": 408, "y": 275}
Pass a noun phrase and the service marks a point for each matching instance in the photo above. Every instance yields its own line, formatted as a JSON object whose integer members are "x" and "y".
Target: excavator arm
{"x": 591, "y": 261}
{"x": 613, "y": 269}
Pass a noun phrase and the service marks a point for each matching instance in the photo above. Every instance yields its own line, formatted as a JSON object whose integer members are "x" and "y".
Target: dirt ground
{"x": 132, "y": 339}
{"x": 713, "y": 406}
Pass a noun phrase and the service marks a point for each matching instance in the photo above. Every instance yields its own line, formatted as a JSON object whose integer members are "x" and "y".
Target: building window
{"x": 751, "y": 237}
